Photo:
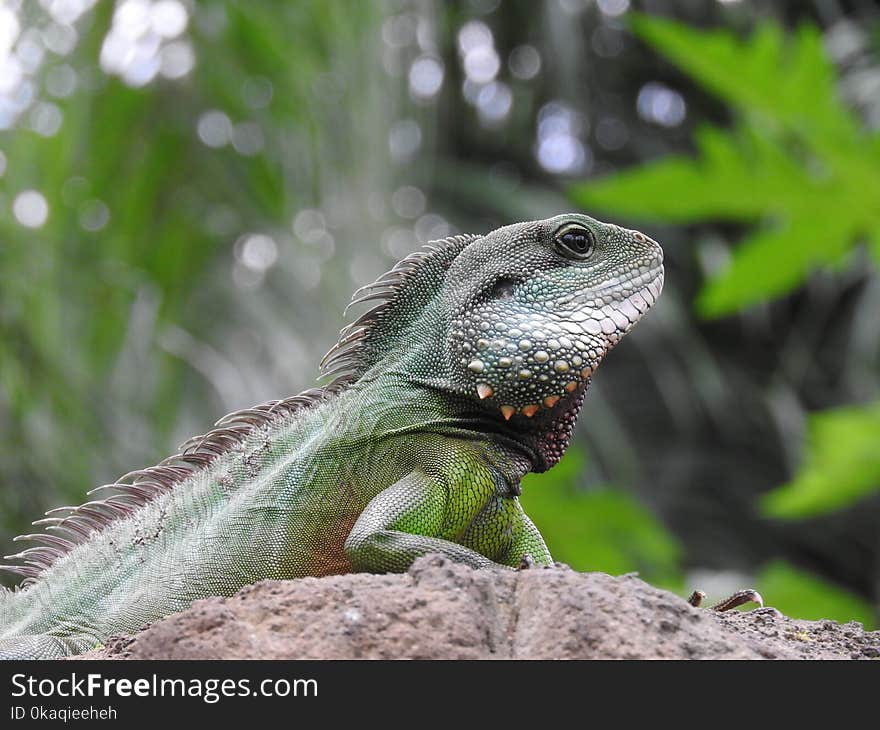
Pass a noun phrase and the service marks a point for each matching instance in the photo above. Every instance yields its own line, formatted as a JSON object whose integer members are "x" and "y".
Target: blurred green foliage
{"x": 796, "y": 162}
{"x": 97, "y": 365}
{"x": 800, "y": 594}
{"x": 605, "y": 529}
{"x": 841, "y": 465}
{"x": 798, "y": 166}
{"x": 600, "y": 529}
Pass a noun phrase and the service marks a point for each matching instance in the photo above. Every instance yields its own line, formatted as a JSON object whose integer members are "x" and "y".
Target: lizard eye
{"x": 574, "y": 241}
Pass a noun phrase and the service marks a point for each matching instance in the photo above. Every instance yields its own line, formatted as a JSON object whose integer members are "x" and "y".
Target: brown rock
{"x": 442, "y": 610}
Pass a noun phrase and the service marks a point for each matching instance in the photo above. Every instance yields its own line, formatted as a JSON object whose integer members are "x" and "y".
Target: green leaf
{"x": 842, "y": 464}
{"x": 874, "y": 243}
{"x": 773, "y": 261}
{"x": 799, "y": 594}
{"x": 602, "y": 529}
{"x": 739, "y": 176}
{"x": 788, "y": 81}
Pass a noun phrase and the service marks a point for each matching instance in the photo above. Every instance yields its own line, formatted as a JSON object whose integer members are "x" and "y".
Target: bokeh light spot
{"x": 257, "y": 251}
{"x": 61, "y": 81}
{"x": 168, "y": 18}
{"x": 214, "y": 128}
{"x": 248, "y": 139}
{"x": 94, "y": 215}
{"x": 659, "y": 104}
{"x": 408, "y": 201}
{"x": 494, "y": 102}
{"x": 176, "y": 60}
{"x": 425, "y": 77}
{"x": 307, "y": 222}
{"x": 524, "y": 62}
{"x": 559, "y": 149}
{"x": 30, "y": 209}
{"x": 257, "y": 92}
{"x": 136, "y": 47}
{"x": 404, "y": 140}
{"x": 613, "y": 8}
{"x": 45, "y": 119}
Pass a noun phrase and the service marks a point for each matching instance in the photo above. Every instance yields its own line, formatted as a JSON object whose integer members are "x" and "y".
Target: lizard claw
{"x": 740, "y": 598}
{"x": 526, "y": 562}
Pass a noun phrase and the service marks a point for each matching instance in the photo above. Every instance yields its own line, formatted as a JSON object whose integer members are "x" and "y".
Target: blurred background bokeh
{"x": 190, "y": 191}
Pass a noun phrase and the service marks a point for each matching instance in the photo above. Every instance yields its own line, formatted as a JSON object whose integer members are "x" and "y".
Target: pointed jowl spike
{"x": 530, "y": 410}
{"x": 507, "y": 412}
{"x": 484, "y": 391}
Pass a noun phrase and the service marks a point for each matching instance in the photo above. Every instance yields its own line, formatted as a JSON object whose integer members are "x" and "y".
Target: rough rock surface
{"x": 441, "y": 610}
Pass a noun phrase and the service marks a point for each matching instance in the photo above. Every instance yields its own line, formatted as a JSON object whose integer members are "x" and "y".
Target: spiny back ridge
{"x": 66, "y": 527}
{"x": 352, "y": 354}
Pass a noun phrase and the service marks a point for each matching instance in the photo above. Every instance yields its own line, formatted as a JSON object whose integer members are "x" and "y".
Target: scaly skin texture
{"x": 469, "y": 373}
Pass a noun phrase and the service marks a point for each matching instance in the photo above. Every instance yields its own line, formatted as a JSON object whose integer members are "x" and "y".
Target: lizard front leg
{"x": 528, "y": 547}
{"x": 468, "y": 522}
{"x": 503, "y": 530}
{"x": 402, "y": 523}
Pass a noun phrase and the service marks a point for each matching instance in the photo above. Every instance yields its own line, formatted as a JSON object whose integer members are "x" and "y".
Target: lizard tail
{"x": 44, "y": 646}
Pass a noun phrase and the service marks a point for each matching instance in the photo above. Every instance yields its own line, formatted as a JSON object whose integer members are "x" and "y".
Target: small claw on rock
{"x": 526, "y": 562}
{"x": 740, "y": 598}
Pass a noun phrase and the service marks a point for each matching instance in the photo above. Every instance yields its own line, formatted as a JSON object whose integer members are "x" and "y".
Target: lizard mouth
{"x": 635, "y": 305}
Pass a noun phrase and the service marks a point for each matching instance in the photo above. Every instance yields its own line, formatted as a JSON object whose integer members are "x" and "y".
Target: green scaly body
{"x": 469, "y": 373}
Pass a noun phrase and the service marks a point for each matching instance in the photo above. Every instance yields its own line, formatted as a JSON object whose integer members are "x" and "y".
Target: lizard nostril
{"x": 504, "y": 288}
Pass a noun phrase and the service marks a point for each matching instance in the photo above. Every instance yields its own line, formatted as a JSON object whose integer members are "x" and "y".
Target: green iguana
{"x": 468, "y": 372}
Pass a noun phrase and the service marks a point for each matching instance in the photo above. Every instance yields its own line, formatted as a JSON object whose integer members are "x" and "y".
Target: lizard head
{"x": 535, "y": 307}
{"x": 513, "y": 322}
